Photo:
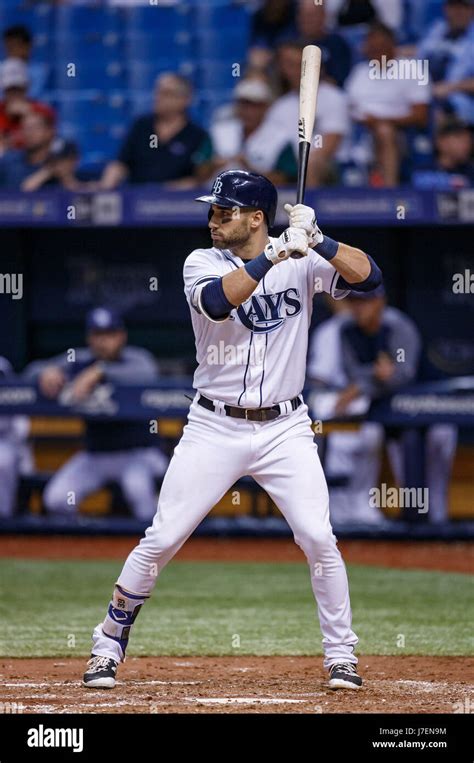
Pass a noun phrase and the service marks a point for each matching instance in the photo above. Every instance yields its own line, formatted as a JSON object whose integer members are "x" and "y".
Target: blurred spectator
{"x": 248, "y": 141}
{"x": 17, "y": 104}
{"x": 375, "y": 350}
{"x": 18, "y": 43}
{"x": 15, "y": 452}
{"x": 17, "y": 165}
{"x": 449, "y": 47}
{"x": 453, "y": 165}
{"x": 123, "y": 452}
{"x": 386, "y": 106}
{"x": 346, "y": 13}
{"x": 332, "y": 117}
{"x": 311, "y": 23}
{"x": 162, "y": 146}
{"x": 59, "y": 170}
{"x": 272, "y": 22}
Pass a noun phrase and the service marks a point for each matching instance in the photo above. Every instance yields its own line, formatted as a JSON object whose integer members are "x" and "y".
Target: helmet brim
{"x": 220, "y": 201}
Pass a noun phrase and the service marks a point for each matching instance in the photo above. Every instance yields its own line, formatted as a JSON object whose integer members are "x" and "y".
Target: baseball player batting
{"x": 249, "y": 418}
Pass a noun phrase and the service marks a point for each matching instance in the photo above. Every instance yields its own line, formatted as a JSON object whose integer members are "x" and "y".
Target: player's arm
{"x": 357, "y": 270}
{"x": 221, "y": 295}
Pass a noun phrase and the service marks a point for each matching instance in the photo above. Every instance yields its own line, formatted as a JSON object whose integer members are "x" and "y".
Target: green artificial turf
{"x": 211, "y": 608}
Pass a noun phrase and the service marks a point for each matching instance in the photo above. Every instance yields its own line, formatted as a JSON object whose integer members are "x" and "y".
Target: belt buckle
{"x": 251, "y": 414}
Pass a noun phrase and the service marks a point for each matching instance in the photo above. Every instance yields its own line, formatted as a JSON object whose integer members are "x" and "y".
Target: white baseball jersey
{"x": 256, "y": 357}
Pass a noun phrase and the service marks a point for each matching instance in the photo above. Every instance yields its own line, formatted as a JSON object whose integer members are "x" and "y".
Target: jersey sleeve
{"x": 324, "y": 276}
{"x": 198, "y": 270}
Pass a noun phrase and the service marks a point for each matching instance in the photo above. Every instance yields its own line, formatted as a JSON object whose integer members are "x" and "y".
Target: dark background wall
{"x": 68, "y": 271}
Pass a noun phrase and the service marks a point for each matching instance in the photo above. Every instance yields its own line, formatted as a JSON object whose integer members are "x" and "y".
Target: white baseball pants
{"x": 213, "y": 453}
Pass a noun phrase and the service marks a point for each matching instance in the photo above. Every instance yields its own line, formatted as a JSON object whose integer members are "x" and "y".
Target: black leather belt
{"x": 250, "y": 414}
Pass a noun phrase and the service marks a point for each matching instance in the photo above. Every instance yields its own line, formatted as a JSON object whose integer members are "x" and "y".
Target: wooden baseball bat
{"x": 309, "y": 85}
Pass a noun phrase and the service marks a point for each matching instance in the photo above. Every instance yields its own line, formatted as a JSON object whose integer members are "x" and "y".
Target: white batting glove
{"x": 291, "y": 240}
{"x": 304, "y": 217}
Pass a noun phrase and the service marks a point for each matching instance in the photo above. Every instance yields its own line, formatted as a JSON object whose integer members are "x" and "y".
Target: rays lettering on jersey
{"x": 263, "y": 313}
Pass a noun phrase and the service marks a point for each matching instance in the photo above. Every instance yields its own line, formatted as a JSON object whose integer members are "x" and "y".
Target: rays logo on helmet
{"x": 217, "y": 186}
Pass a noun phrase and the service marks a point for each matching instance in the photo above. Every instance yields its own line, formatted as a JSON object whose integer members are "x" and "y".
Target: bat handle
{"x": 303, "y": 158}
{"x": 303, "y": 149}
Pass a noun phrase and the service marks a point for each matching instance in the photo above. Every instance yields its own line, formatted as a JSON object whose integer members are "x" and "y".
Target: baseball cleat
{"x": 100, "y": 673}
{"x": 343, "y": 675}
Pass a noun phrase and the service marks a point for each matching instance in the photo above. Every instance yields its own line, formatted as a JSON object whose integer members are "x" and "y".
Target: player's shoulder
{"x": 205, "y": 257}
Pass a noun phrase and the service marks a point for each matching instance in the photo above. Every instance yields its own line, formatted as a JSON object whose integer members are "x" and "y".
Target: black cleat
{"x": 100, "y": 673}
{"x": 343, "y": 675}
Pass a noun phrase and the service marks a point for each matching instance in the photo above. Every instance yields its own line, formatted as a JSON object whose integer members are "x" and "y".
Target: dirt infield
{"x": 242, "y": 684}
{"x": 427, "y": 555}
{"x": 239, "y": 685}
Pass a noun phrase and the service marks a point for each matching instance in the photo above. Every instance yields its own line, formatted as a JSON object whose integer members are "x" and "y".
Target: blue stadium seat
{"x": 173, "y": 22}
{"x": 87, "y": 48}
{"x": 217, "y": 75}
{"x": 222, "y": 16}
{"x": 209, "y": 101}
{"x": 89, "y": 108}
{"x": 140, "y": 102}
{"x": 85, "y": 19}
{"x": 151, "y": 47}
{"x": 38, "y": 17}
{"x": 88, "y": 76}
{"x": 215, "y": 44}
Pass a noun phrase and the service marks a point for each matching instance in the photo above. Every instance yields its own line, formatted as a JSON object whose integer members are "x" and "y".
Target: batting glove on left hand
{"x": 304, "y": 217}
{"x": 292, "y": 240}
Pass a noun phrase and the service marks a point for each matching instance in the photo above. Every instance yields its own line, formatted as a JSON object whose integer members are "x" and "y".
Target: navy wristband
{"x": 259, "y": 267}
{"x": 327, "y": 248}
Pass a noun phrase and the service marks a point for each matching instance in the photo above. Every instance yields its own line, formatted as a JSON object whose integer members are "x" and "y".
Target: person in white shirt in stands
{"x": 332, "y": 117}
{"x": 386, "y": 106}
{"x": 246, "y": 140}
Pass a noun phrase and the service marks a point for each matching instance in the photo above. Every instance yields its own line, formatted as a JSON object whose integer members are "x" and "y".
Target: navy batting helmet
{"x": 237, "y": 188}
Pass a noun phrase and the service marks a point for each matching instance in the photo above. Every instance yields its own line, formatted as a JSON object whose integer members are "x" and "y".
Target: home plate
{"x": 242, "y": 700}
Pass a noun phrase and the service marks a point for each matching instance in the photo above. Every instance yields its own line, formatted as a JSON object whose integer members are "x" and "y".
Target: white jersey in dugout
{"x": 256, "y": 357}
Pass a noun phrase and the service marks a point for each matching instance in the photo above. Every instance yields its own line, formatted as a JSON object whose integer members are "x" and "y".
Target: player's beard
{"x": 239, "y": 237}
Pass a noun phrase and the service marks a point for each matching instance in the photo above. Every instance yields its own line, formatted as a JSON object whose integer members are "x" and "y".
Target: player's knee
{"x": 161, "y": 543}
{"x": 315, "y": 541}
